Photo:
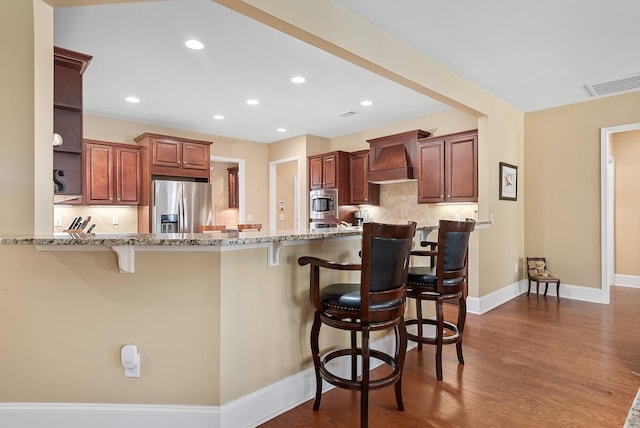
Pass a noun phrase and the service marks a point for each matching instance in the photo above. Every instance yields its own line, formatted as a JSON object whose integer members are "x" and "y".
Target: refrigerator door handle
{"x": 181, "y": 212}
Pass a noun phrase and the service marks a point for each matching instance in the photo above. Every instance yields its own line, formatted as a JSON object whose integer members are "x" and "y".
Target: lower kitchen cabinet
{"x": 448, "y": 168}
{"x": 112, "y": 173}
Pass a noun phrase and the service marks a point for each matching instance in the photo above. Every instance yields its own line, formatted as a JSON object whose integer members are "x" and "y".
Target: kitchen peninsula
{"x": 125, "y": 245}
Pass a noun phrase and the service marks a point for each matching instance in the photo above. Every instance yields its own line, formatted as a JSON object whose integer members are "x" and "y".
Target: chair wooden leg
{"x": 354, "y": 357}
{"x": 401, "y": 352}
{"x": 546, "y": 288}
{"x": 537, "y": 290}
{"x": 558, "y": 290}
{"x": 462, "y": 316}
{"x": 419, "y": 324}
{"x": 364, "y": 393}
{"x": 315, "y": 352}
{"x": 529, "y": 288}
{"x": 439, "y": 334}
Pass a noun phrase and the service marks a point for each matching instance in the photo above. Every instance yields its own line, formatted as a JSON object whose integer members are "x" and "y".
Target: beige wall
{"x": 626, "y": 151}
{"x": 285, "y": 175}
{"x": 562, "y": 173}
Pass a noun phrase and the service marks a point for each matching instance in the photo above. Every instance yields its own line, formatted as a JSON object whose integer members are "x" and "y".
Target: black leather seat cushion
{"x": 419, "y": 275}
{"x": 347, "y": 296}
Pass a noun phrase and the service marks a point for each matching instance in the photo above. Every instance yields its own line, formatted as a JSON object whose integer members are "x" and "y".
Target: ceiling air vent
{"x": 348, "y": 114}
{"x": 625, "y": 84}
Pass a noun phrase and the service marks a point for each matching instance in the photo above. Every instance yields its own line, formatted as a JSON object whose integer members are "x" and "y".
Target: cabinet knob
{"x": 441, "y": 196}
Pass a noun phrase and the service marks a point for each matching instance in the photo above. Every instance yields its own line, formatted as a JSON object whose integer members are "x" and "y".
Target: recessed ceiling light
{"x": 282, "y": 129}
{"x": 132, "y": 100}
{"x": 298, "y": 79}
{"x": 253, "y": 102}
{"x": 218, "y": 117}
{"x": 366, "y": 103}
{"x": 194, "y": 44}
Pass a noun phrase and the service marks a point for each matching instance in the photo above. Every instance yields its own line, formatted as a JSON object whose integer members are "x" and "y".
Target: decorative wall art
{"x": 508, "y": 182}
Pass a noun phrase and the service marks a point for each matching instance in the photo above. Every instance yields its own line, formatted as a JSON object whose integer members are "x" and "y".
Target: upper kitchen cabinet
{"x": 233, "y": 187}
{"x": 113, "y": 173}
{"x": 362, "y": 191}
{"x": 68, "y": 68}
{"x": 175, "y": 156}
{"x": 330, "y": 171}
{"x": 448, "y": 168}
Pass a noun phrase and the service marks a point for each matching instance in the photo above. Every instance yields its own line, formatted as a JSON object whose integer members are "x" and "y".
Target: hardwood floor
{"x": 528, "y": 363}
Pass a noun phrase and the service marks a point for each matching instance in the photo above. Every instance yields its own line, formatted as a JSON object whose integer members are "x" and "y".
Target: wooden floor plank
{"x": 528, "y": 363}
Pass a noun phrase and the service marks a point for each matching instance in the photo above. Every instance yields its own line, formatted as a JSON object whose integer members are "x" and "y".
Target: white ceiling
{"x": 534, "y": 55}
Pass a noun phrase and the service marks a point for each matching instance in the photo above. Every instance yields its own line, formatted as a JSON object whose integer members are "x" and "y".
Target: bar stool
{"x": 444, "y": 282}
{"x": 376, "y": 303}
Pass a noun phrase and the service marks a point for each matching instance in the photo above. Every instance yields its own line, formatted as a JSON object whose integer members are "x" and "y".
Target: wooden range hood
{"x": 393, "y": 158}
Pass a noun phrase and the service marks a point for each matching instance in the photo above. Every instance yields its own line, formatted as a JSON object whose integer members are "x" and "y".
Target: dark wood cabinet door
{"x": 98, "y": 174}
{"x": 195, "y": 156}
{"x": 330, "y": 171}
{"x": 361, "y": 191}
{"x": 128, "y": 176}
{"x": 315, "y": 173}
{"x": 431, "y": 183}
{"x": 461, "y": 181}
{"x": 233, "y": 187}
{"x": 166, "y": 153}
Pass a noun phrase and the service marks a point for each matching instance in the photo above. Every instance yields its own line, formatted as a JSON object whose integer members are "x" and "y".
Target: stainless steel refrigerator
{"x": 180, "y": 206}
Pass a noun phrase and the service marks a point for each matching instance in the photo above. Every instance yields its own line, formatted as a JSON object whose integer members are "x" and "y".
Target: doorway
{"x": 222, "y": 212}
{"x": 607, "y": 201}
{"x": 284, "y": 195}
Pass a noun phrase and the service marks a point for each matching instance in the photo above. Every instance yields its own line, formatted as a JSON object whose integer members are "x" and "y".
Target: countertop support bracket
{"x": 126, "y": 258}
{"x": 274, "y": 253}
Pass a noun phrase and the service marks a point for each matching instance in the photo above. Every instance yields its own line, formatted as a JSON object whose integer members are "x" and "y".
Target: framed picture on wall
{"x": 508, "y": 182}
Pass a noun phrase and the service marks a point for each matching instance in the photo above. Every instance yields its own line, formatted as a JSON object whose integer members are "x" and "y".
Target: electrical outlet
{"x": 115, "y": 220}
{"x": 249, "y": 217}
{"x": 57, "y": 221}
{"x": 515, "y": 267}
{"x": 281, "y": 217}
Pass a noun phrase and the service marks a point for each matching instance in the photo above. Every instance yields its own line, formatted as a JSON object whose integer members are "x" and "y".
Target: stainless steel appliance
{"x": 359, "y": 217}
{"x": 323, "y": 204}
{"x": 180, "y": 206}
{"x": 316, "y": 226}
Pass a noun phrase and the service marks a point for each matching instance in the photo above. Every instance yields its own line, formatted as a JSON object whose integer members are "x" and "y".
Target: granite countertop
{"x": 192, "y": 239}
{"x": 175, "y": 239}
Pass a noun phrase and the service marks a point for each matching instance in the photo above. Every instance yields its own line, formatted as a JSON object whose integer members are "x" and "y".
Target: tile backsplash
{"x": 398, "y": 204}
{"x": 102, "y": 217}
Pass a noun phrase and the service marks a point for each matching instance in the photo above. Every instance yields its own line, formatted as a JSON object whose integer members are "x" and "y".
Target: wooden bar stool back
{"x": 250, "y": 226}
{"x": 211, "y": 228}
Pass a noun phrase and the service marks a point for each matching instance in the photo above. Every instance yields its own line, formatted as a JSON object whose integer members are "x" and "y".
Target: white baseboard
{"x": 248, "y": 411}
{"x": 80, "y": 415}
{"x": 490, "y": 301}
{"x": 627, "y": 281}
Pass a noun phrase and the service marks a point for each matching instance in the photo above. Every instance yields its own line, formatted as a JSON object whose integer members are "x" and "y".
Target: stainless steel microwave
{"x": 323, "y": 204}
